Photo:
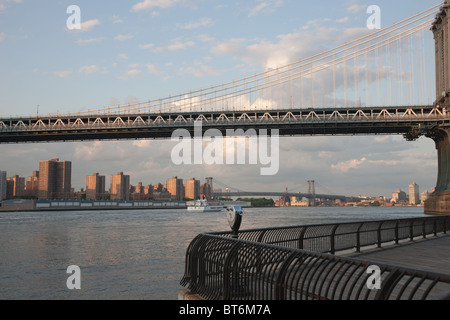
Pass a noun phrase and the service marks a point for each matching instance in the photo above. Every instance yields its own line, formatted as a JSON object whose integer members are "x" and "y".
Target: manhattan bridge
{"x": 392, "y": 81}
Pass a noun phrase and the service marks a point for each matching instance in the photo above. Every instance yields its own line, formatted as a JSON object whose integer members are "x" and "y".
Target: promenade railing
{"x": 302, "y": 262}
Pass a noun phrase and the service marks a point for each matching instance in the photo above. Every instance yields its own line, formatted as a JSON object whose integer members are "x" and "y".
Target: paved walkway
{"x": 431, "y": 255}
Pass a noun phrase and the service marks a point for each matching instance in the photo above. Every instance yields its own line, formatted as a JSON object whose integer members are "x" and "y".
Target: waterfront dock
{"x": 323, "y": 262}
{"x": 431, "y": 254}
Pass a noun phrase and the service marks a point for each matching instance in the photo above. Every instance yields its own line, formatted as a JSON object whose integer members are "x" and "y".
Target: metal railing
{"x": 295, "y": 263}
{"x": 342, "y": 237}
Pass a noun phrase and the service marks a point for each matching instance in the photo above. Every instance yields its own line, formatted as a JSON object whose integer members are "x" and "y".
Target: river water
{"x": 129, "y": 254}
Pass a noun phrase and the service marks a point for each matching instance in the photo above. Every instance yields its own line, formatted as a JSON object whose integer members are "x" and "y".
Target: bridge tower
{"x": 312, "y": 190}
{"x": 439, "y": 200}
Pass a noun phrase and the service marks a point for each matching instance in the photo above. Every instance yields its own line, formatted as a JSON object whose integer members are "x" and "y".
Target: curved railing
{"x": 294, "y": 263}
{"x": 337, "y": 237}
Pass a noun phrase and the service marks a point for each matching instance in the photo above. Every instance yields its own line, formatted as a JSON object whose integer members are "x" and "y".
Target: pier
{"x": 323, "y": 262}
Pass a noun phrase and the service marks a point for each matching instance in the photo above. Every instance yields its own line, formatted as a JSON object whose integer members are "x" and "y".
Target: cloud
{"x": 2, "y": 36}
{"x": 150, "y": 4}
{"x": 176, "y": 46}
{"x": 201, "y": 70}
{"x": 4, "y": 6}
{"x": 89, "y": 69}
{"x": 130, "y": 74}
{"x": 203, "y": 22}
{"x": 89, "y": 25}
{"x": 345, "y": 166}
{"x": 123, "y": 37}
{"x": 147, "y": 46}
{"x": 265, "y": 6}
{"x": 356, "y": 8}
{"x": 63, "y": 74}
{"x": 343, "y": 20}
{"x": 83, "y": 42}
{"x": 230, "y": 46}
{"x": 153, "y": 69}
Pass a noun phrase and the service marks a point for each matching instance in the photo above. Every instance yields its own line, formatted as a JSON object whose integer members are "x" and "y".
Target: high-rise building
{"x": 120, "y": 187}
{"x": 206, "y": 189}
{"x": 55, "y": 179}
{"x": 95, "y": 187}
{"x": 2, "y": 185}
{"x": 414, "y": 195}
{"x": 32, "y": 185}
{"x": 192, "y": 189}
{"x": 16, "y": 186}
{"x": 399, "y": 196}
{"x": 176, "y": 188}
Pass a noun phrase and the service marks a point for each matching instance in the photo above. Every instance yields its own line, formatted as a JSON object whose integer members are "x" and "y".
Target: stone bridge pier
{"x": 438, "y": 202}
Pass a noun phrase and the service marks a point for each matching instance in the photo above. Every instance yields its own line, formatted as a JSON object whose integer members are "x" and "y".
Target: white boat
{"x": 204, "y": 206}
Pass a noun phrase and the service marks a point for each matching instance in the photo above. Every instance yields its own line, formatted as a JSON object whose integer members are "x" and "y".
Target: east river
{"x": 129, "y": 254}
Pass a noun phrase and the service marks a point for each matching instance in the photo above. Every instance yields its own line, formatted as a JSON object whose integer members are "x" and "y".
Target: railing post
{"x": 396, "y": 232}
{"x": 301, "y": 239}
{"x": 332, "y": 239}
{"x": 358, "y": 238}
{"x": 379, "y": 234}
{"x": 411, "y": 230}
{"x": 424, "y": 229}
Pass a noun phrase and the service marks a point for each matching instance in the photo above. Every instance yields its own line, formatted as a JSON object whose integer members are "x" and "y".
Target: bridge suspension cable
{"x": 389, "y": 63}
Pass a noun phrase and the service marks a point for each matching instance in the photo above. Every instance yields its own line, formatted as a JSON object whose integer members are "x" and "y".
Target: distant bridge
{"x": 279, "y": 194}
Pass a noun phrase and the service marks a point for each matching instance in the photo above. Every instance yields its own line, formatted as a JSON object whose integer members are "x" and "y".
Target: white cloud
{"x": 147, "y": 46}
{"x": 89, "y": 25}
{"x": 355, "y": 8}
{"x": 230, "y": 46}
{"x": 201, "y": 70}
{"x": 265, "y": 6}
{"x": 153, "y": 69}
{"x": 343, "y": 20}
{"x": 63, "y": 74}
{"x": 83, "y": 42}
{"x": 89, "y": 69}
{"x": 130, "y": 74}
{"x": 123, "y": 37}
{"x": 345, "y": 166}
{"x": 176, "y": 46}
{"x": 150, "y": 4}
{"x": 203, "y": 22}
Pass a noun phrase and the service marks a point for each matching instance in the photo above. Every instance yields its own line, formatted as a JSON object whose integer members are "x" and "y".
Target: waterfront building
{"x": 206, "y": 189}
{"x": 95, "y": 187}
{"x": 176, "y": 188}
{"x": 192, "y": 189}
{"x": 120, "y": 187}
{"x": 32, "y": 185}
{"x": 399, "y": 196}
{"x": 55, "y": 180}
{"x": 2, "y": 185}
{"x": 414, "y": 196}
{"x": 424, "y": 196}
{"x": 16, "y": 186}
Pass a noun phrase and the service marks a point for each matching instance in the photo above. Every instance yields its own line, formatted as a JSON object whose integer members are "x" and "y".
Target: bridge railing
{"x": 272, "y": 116}
{"x": 273, "y": 264}
{"x": 348, "y": 237}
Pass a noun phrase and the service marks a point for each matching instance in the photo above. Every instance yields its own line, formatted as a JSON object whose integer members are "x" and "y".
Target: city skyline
{"x": 121, "y": 187}
{"x": 134, "y": 51}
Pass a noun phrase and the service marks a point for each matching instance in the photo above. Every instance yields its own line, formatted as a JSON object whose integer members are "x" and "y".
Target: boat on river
{"x": 204, "y": 206}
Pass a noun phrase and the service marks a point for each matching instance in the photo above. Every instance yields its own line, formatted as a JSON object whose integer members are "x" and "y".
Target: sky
{"x": 132, "y": 51}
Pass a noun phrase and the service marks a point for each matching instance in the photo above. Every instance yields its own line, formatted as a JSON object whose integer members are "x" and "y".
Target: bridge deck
{"x": 431, "y": 255}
